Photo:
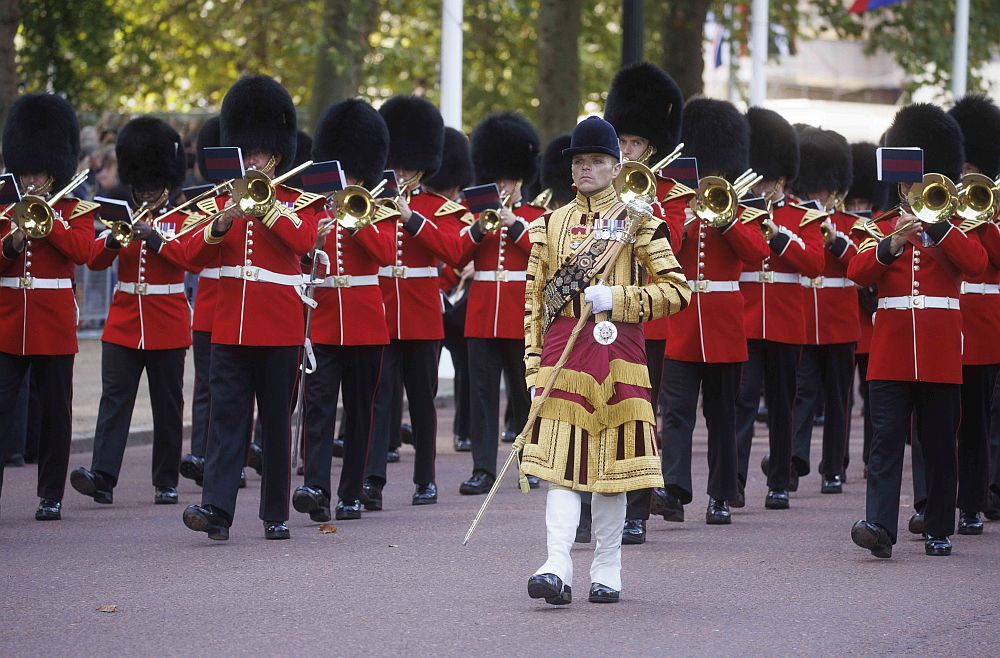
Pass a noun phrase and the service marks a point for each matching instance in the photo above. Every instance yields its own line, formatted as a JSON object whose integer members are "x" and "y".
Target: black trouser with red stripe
{"x": 53, "y": 377}
{"x": 121, "y": 370}
{"x": 357, "y": 368}
{"x": 772, "y": 366}
{"x": 935, "y": 410}
{"x": 416, "y": 363}
{"x": 489, "y": 360}
{"x": 828, "y": 369}
{"x": 718, "y": 382}
{"x": 638, "y": 500}
{"x": 201, "y": 399}
{"x": 239, "y": 375}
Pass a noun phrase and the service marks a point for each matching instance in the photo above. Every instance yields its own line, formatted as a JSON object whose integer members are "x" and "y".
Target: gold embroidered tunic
{"x": 595, "y": 431}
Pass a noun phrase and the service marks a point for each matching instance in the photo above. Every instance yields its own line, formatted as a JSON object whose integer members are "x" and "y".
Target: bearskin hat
{"x": 979, "y": 119}
{"x": 456, "y": 163}
{"x": 929, "y": 127}
{"x": 505, "y": 145}
{"x": 718, "y": 135}
{"x": 353, "y": 133}
{"x": 645, "y": 101}
{"x": 774, "y": 146}
{"x": 865, "y": 174}
{"x": 208, "y": 137}
{"x": 416, "y": 133}
{"x": 556, "y": 173}
{"x": 150, "y": 155}
{"x": 825, "y": 162}
{"x": 258, "y": 115}
{"x": 42, "y": 134}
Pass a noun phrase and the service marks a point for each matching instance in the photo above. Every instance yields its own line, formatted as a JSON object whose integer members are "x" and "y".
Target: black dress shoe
{"x": 481, "y": 482}
{"x": 49, "y": 509}
{"x": 718, "y": 512}
{"x": 916, "y": 524}
{"x": 937, "y": 546}
{"x": 276, "y": 530}
{"x": 873, "y": 537}
{"x": 834, "y": 485}
{"x": 461, "y": 443}
{"x": 425, "y": 494}
{"x": 243, "y": 478}
{"x": 312, "y": 501}
{"x": 550, "y": 587}
{"x": 371, "y": 494}
{"x": 533, "y": 481}
{"x": 776, "y": 499}
{"x": 348, "y": 511}
{"x": 165, "y": 496}
{"x": 667, "y": 505}
{"x": 508, "y": 437}
{"x": 765, "y": 463}
{"x": 301, "y": 470}
{"x": 392, "y": 457}
{"x": 634, "y": 532}
{"x": 970, "y": 523}
{"x": 793, "y": 481}
{"x": 602, "y": 594}
{"x": 207, "y": 519}
{"x": 255, "y": 457}
{"x": 406, "y": 434}
{"x": 193, "y": 468}
{"x": 741, "y": 496}
{"x": 582, "y": 534}
{"x": 16, "y": 460}
{"x": 338, "y": 447}
{"x": 92, "y": 484}
{"x": 992, "y": 511}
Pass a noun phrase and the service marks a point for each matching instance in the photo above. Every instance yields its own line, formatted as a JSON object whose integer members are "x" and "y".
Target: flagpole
{"x": 960, "y": 51}
{"x": 451, "y": 63}
{"x": 758, "y": 51}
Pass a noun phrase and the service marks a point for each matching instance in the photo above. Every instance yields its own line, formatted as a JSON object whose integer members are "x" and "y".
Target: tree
{"x": 681, "y": 39}
{"x": 558, "y": 66}
{"x": 10, "y": 19}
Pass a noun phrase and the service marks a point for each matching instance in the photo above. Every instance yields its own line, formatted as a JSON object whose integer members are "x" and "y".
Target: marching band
{"x": 605, "y": 306}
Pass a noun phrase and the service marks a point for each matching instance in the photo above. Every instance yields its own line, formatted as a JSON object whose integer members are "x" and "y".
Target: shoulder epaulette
{"x": 305, "y": 199}
{"x": 83, "y": 207}
{"x": 190, "y": 218}
{"x": 750, "y": 214}
{"x": 868, "y": 243}
{"x": 208, "y": 206}
{"x": 449, "y": 207}
{"x": 677, "y": 191}
{"x": 811, "y": 215}
{"x": 970, "y": 225}
{"x": 468, "y": 218}
{"x": 383, "y": 213}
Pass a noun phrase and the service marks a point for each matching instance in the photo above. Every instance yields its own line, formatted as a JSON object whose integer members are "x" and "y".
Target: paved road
{"x": 773, "y": 583}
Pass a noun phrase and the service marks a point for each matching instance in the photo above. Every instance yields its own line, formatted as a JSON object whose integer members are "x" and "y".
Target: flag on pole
{"x": 718, "y": 44}
{"x": 683, "y": 170}
{"x": 323, "y": 177}
{"x": 223, "y": 163}
{"x": 899, "y": 164}
{"x": 861, "y": 6}
{"x": 482, "y": 197}
{"x": 9, "y": 192}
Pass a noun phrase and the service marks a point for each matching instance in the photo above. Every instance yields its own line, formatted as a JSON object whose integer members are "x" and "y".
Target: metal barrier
{"x": 94, "y": 291}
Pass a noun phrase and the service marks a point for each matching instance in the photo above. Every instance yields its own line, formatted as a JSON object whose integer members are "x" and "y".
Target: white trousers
{"x": 562, "y": 515}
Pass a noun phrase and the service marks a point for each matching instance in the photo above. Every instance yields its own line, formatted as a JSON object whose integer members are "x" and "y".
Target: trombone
{"x": 405, "y": 188}
{"x": 717, "y": 200}
{"x": 356, "y": 206}
{"x": 636, "y": 180}
{"x": 490, "y": 218}
{"x": 932, "y": 201}
{"x": 978, "y": 198}
{"x": 253, "y": 195}
{"x": 34, "y": 214}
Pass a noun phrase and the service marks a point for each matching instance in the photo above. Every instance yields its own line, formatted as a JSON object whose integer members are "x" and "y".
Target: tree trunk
{"x": 340, "y": 57}
{"x": 10, "y": 18}
{"x": 682, "y": 35}
{"x": 558, "y": 67}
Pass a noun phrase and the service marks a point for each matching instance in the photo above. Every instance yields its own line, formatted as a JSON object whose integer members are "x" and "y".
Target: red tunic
{"x": 981, "y": 303}
{"x": 773, "y": 304}
{"x": 251, "y": 310}
{"x": 915, "y": 342}
{"x": 831, "y": 300}
{"x": 496, "y": 298}
{"x": 37, "y": 320}
{"x": 143, "y": 314}
{"x": 710, "y": 329}
{"x": 351, "y": 311}
{"x": 674, "y": 200}
{"x": 410, "y": 286}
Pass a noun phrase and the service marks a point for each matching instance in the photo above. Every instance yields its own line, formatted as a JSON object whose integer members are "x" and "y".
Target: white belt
{"x": 980, "y": 288}
{"x": 918, "y": 302}
{"x": 501, "y": 275}
{"x": 150, "y": 288}
{"x": 714, "y": 286}
{"x": 825, "y": 282}
{"x": 210, "y": 273}
{"x": 404, "y": 272}
{"x": 31, "y": 283}
{"x": 252, "y": 273}
{"x": 769, "y": 277}
{"x": 348, "y": 281}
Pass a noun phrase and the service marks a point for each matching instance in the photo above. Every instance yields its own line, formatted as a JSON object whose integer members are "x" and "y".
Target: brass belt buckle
{"x": 502, "y": 275}
{"x": 27, "y": 282}
{"x": 140, "y": 288}
{"x": 816, "y": 282}
{"x": 917, "y": 301}
{"x": 342, "y": 281}
{"x": 250, "y": 273}
{"x": 766, "y": 277}
{"x": 399, "y": 272}
{"x": 701, "y": 286}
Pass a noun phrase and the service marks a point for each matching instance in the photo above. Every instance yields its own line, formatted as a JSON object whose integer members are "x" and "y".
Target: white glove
{"x": 640, "y": 207}
{"x": 531, "y": 393}
{"x": 599, "y": 297}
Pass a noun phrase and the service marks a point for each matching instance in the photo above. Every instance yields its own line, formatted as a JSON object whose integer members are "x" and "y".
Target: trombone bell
{"x": 933, "y": 200}
{"x": 716, "y": 201}
{"x": 977, "y": 198}
{"x": 33, "y": 216}
{"x": 635, "y": 181}
{"x": 355, "y": 207}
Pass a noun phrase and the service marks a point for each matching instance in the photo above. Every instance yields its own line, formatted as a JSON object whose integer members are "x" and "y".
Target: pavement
{"x": 399, "y": 581}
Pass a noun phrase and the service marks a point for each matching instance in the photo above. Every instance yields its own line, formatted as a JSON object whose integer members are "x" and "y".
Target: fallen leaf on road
{"x": 108, "y": 608}
{"x": 328, "y": 528}
{"x": 393, "y": 546}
